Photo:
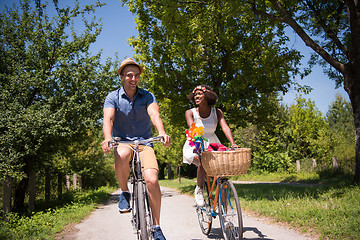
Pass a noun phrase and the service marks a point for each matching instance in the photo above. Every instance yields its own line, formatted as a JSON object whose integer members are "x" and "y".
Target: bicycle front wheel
{"x": 144, "y": 212}
{"x": 204, "y": 213}
{"x": 230, "y": 211}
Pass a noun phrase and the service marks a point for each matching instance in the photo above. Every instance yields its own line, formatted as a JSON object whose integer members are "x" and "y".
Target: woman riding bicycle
{"x": 208, "y": 117}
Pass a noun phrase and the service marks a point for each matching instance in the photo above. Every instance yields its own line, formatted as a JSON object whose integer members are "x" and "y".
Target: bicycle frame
{"x": 213, "y": 202}
{"x": 141, "y": 212}
{"x": 137, "y": 173}
{"x": 220, "y": 204}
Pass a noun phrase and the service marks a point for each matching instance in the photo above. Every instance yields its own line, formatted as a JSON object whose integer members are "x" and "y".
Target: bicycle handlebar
{"x": 117, "y": 141}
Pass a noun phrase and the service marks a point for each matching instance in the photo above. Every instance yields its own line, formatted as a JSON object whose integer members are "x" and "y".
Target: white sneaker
{"x": 199, "y": 198}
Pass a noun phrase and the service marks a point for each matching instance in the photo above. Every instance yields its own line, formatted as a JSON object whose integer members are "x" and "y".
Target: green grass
{"x": 45, "y": 224}
{"x": 330, "y": 211}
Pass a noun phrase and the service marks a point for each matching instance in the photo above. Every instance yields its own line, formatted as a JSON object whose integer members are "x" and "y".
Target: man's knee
{"x": 122, "y": 156}
{"x": 151, "y": 177}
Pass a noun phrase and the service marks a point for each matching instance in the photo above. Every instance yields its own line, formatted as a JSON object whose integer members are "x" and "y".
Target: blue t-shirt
{"x": 132, "y": 121}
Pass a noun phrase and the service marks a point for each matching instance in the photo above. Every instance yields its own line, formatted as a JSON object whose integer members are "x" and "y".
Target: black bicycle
{"x": 140, "y": 207}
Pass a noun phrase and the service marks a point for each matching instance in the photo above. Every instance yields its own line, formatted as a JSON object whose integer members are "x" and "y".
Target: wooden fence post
{"x": 313, "y": 164}
{"x": 335, "y": 164}
{"x": 74, "y": 181}
{"x": 68, "y": 182}
{"x": 298, "y": 165}
{"x": 80, "y": 183}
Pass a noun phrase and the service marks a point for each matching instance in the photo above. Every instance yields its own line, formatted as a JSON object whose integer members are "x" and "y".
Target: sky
{"x": 119, "y": 25}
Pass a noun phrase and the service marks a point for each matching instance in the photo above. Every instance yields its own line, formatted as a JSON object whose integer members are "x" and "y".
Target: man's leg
{"x": 152, "y": 183}
{"x": 122, "y": 159}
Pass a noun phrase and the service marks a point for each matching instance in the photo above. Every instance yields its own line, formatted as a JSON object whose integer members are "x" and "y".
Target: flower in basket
{"x": 195, "y": 135}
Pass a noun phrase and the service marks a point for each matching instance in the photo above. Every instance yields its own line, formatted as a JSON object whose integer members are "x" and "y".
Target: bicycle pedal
{"x": 133, "y": 223}
{"x": 228, "y": 225}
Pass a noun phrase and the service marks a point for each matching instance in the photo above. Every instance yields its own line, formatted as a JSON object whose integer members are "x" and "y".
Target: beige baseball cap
{"x": 129, "y": 61}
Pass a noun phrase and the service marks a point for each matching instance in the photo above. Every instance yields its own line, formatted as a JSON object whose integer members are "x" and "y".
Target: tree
{"x": 331, "y": 28}
{"x": 340, "y": 117}
{"x": 51, "y": 87}
{"x": 220, "y": 43}
{"x": 172, "y": 157}
{"x": 308, "y": 131}
{"x": 341, "y": 122}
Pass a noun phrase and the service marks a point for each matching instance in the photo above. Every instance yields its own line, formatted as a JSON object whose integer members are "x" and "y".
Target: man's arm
{"x": 108, "y": 120}
{"x": 153, "y": 111}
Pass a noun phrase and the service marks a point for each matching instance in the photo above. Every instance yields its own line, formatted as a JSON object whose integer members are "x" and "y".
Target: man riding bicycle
{"x": 127, "y": 114}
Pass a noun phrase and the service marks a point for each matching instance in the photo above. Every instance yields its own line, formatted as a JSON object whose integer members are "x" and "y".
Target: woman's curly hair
{"x": 210, "y": 96}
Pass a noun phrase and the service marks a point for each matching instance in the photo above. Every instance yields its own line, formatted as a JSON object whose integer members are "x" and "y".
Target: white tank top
{"x": 209, "y": 124}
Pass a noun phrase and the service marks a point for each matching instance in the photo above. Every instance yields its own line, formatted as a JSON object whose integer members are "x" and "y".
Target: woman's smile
{"x": 199, "y": 96}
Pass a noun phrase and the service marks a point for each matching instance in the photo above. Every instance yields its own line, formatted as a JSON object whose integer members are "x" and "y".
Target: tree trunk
{"x": 170, "y": 172}
{"x": 352, "y": 87}
{"x": 7, "y": 194}
{"x": 32, "y": 190}
{"x": 357, "y": 154}
{"x": 161, "y": 171}
{"x": 47, "y": 185}
{"x": 59, "y": 185}
{"x": 179, "y": 173}
{"x": 22, "y": 186}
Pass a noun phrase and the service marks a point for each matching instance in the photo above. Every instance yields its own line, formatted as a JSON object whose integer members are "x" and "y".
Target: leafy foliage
{"x": 310, "y": 133}
{"x": 171, "y": 156}
{"x": 295, "y": 133}
{"x": 52, "y": 89}
{"x": 330, "y": 29}
{"x": 271, "y": 145}
{"x": 341, "y": 121}
{"x": 219, "y": 43}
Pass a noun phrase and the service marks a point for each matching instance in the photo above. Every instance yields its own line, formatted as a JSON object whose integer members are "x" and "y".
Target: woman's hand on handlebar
{"x": 234, "y": 146}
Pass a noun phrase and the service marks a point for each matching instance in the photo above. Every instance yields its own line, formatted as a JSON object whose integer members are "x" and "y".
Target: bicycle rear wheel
{"x": 204, "y": 213}
{"x": 144, "y": 215}
{"x": 230, "y": 211}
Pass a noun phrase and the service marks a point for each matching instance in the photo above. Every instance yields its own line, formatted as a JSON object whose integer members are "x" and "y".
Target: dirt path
{"x": 178, "y": 221}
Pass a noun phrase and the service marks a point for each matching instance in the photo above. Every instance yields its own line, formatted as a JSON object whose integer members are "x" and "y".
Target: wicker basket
{"x": 226, "y": 163}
